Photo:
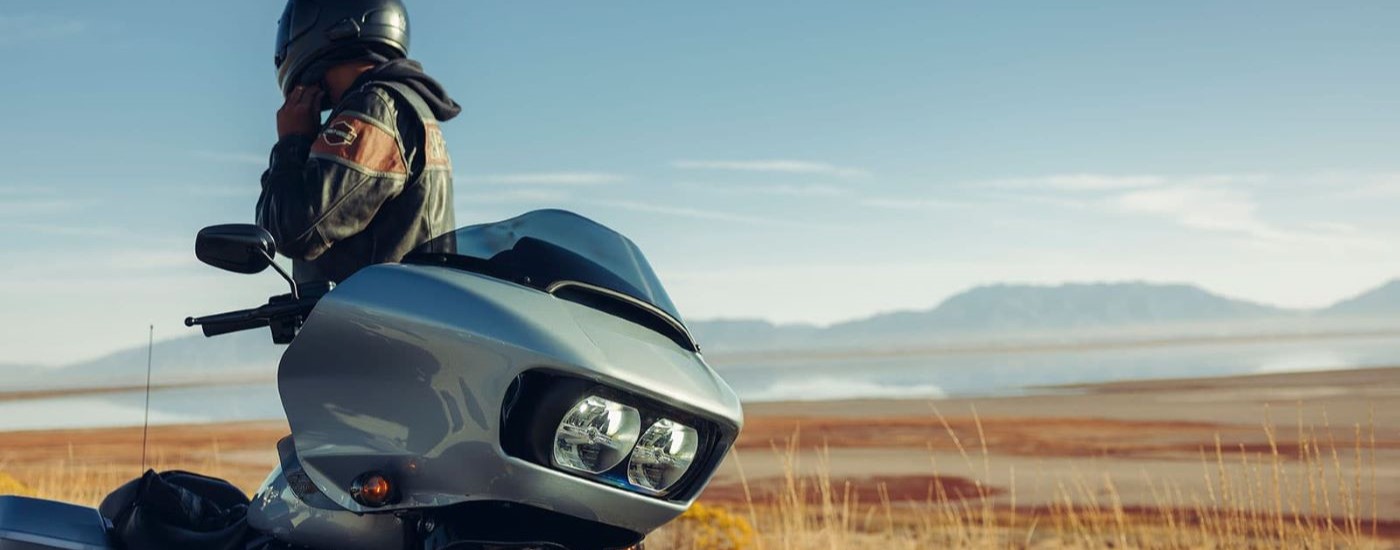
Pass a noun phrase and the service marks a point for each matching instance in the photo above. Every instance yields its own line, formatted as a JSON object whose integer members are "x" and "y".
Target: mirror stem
{"x": 273, "y": 262}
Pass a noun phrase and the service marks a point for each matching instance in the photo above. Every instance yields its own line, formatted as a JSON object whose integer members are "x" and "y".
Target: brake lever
{"x": 283, "y": 313}
{"x": 220, "y": 318}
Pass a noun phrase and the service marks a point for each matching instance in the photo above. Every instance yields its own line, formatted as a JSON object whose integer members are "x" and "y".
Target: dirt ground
{"x": 1140, "y": 436}
{"x": 1138, "y": 439}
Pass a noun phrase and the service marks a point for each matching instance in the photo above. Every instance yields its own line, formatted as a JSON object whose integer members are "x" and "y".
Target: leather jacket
{"x": 374, "y": 183}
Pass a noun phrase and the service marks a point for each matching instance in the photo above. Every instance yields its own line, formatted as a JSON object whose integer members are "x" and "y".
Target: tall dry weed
{"x": 1315, "y": 492}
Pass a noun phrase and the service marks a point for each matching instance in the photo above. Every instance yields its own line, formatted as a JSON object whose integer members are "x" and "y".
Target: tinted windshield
{"x": 546, "y": 247}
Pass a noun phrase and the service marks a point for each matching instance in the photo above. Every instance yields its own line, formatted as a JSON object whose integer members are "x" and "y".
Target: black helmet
{"x": 315, "y": 30}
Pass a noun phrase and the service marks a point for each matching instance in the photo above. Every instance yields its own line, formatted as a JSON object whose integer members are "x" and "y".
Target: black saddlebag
{"x": 34, "y": 524}
{"x": 177, "y": 509}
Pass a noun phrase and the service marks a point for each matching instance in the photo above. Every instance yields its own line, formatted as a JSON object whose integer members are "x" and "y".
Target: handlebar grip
{"x": 245, "y": 319}
{"x": 218, "y": 328}
{"x": 222, "y": 318}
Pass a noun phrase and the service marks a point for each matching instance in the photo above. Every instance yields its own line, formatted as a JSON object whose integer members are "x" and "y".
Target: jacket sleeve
{"x": 323, "y": 189}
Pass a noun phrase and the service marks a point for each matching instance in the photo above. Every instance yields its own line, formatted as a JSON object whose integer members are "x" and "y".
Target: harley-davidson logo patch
{"x": 340, "y": 134}
{"x": 351, "y": 139}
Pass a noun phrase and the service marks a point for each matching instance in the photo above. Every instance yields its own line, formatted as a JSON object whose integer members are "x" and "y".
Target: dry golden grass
{"x": 1314, "y": 491}
{"x": 83, "y": 466}
{"x": 1323, "y": 495}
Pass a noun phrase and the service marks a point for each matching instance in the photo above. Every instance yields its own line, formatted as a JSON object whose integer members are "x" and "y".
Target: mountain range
{"x": 994, "y": 313}
{"x": 1062, "y": 311}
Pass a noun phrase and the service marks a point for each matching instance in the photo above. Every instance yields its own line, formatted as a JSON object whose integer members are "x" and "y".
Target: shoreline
{"x": 76, "y": 391}
{"x": 1143, "y": 434}
{"x": 1051, "y": 344}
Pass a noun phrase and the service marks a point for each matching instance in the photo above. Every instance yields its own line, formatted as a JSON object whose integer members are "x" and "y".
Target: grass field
{"x": 1317, "y": 470}
{"x": 1320, "y": 494}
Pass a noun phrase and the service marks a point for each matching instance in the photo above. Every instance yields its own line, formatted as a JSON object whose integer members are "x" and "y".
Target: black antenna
{"x": 146, "y": 423}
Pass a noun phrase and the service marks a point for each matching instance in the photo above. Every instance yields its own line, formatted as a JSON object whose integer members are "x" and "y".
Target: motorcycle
{"x": 520, "y": 384}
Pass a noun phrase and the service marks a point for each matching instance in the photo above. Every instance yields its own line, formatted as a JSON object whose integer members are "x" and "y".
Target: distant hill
{"x": 753, "y": 334}
{"x": 987, "y": 313}
{"x": 1382, "y": 301}
{"x": 20, "y": 372}
{"x": 1005, "y": 308}
{"x": 241, "y": 355}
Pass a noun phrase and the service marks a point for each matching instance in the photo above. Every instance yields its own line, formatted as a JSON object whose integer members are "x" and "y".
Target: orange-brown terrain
{"x": 1298, "y": 447}
{"x": 1286, "y": 448}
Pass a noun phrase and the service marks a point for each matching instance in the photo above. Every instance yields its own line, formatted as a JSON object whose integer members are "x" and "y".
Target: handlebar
{"x": 245, "y": 319}
{"x": 222, "y": 318}
{"x": 217, "y": 328}
{"x": 284, "y": 313}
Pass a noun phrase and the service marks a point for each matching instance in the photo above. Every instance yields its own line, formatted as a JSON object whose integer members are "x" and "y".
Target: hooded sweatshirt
{"x": 410, "y": 73}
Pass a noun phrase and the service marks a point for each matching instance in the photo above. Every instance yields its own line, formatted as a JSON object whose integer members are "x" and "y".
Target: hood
{"x": 410, "y": 73}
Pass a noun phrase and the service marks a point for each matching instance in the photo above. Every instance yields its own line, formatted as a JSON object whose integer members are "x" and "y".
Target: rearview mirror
{"x": 236, "y": 247}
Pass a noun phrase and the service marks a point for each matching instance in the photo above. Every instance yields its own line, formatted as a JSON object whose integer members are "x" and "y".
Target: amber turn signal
{"x": 372, "y": 489}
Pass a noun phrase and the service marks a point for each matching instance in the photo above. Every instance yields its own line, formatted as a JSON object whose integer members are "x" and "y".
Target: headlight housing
{"x": 663, "y": 456}
{"x": 596, "y": 435}
{"x": 610, "y": 436}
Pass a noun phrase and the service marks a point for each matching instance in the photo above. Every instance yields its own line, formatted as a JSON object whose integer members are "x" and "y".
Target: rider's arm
{"x": 326, "y": 188}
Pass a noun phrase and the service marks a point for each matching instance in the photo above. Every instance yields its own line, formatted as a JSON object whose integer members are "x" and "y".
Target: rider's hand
{"x": 300, "y": 115}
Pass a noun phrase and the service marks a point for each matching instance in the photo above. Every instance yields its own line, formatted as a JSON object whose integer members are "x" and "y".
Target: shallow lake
{"x": 931, "y": 375}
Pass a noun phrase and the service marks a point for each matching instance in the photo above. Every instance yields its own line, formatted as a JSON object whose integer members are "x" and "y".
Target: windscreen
{"x": 545, "y": 247}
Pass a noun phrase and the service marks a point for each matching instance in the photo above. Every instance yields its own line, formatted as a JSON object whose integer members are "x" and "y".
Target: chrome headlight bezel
{"x": 538, "y": 399}
{"x": 595, "y": 428}
{"x": 665, "y": 444}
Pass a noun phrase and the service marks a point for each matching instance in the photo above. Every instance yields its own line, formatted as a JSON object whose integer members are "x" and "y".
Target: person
{"x": 374, "y": 180}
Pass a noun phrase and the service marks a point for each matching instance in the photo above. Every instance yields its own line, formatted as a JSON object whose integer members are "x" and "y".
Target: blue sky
{"x": 794, "y": 161}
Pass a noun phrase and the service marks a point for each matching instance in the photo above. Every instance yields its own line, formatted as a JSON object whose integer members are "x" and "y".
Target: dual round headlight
{"x": 663, "y": 455}
{"x": 597, "y": 434}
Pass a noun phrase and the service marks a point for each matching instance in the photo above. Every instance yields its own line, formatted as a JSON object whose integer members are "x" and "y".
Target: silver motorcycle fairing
{"x": 403, "y": 370}
{"x": 291, "y": 509}
{"x": 277, "y": 510}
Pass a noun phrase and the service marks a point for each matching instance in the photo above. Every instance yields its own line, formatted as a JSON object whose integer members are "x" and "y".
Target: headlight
{"x": 663, "y": 455}
{"x": 595, "y": 435}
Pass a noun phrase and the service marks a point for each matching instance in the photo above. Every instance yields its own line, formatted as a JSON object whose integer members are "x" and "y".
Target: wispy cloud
{"x": 545, "y": 178}
{"x": 21, "y": 204}
{"x": 1199, "y": 207}
{"x": 36, "y": 205}
{"x": 232, "y": 157}
{"x": 688, "y": 212}
{"x": 67, "y": 230}
{"x": 779, "y": 190}
{"x": 1365, "y": 186}
{"x": 1207, "y": 202}
{"x": 773, "y": 166}
{"x": 33, "y": 27}
{"x": 512, "y": 196}
{"x": 224, "y": 191}
{"x": 1340, "y": 228}
{"x": 912, "y": 204}
{"x": 35, "y": 210}
{"x": 24, "y": 190}
{"x": 1080, "y": 182}
{"x": 1089, "y": 182}
{"x": 1227, "y": 204}
{"x": 108, "y": 262}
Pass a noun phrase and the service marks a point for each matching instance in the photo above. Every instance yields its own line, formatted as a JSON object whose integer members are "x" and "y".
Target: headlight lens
{"x": 595, "y": 435}
{"x": 663, "y": 455}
